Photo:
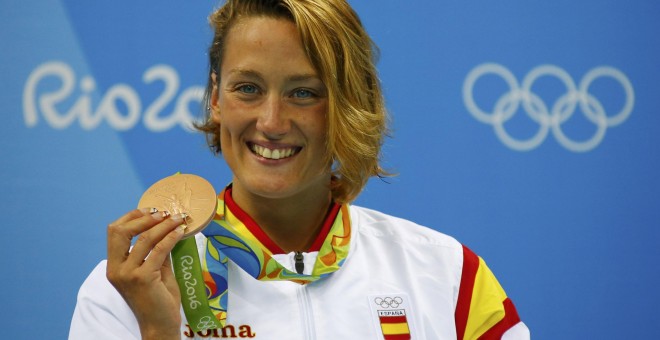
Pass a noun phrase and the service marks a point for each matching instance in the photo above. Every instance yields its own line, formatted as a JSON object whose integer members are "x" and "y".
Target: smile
{"x": 274, "y": 154}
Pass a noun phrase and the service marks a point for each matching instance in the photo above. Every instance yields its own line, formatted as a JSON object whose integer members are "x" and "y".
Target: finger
{"x": 168, "y": 277}
{"x": 133, "y": 214}
{"x": 167, "y": 264}
{"x": 120, "y": 236}
{"x": 148, "y": 241}
{"x": 159, "y": 258}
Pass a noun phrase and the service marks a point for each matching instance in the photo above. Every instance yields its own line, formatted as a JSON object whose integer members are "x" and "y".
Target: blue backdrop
{"x": 526, "y": 129}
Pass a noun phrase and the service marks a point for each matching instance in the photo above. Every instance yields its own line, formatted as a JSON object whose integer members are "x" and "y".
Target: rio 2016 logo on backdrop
{"x": 110, "y": 107}
{"x": 548, "y": 116}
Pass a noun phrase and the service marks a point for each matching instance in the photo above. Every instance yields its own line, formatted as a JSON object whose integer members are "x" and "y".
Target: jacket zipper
{"x": 300, "y": 265}
{"x": 306, "y": 313}
{"x": 304, "y": 301}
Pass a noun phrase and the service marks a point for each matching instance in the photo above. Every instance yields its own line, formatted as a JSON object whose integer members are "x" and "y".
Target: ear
{"x": 215, "y": 108}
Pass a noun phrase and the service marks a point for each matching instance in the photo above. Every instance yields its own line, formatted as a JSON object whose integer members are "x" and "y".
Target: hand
{"x": 143, "y": 276}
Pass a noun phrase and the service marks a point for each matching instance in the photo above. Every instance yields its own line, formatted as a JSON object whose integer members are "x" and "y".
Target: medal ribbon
{"x": 204, "y": 286}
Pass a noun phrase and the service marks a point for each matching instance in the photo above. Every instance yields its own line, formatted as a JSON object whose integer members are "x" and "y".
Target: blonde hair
{"x": 344, "y": 56}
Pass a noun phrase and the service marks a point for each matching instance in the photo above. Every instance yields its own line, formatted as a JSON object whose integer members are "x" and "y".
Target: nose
{"x": 273, "y": 121}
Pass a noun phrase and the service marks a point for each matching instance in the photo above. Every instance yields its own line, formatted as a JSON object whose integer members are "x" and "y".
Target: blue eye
{"x": 303, "y": 94}
{"x": 248, "y": 89}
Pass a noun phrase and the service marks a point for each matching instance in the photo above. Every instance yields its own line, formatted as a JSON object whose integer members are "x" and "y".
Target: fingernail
{"x": 179, "y": 217}
{"x": 160, "y": 215}
{"x": 181, "y": 228}
{"x": 149, "y": 210}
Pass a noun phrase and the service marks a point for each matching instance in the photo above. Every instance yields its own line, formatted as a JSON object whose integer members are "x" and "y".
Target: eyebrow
{"x": 302, "y": 77}
{"x": 257, "y": 75}
{"x": 247, "y": 73}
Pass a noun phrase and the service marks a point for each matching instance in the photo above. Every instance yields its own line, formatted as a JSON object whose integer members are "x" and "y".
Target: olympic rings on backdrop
{"x": 548, "y": 117}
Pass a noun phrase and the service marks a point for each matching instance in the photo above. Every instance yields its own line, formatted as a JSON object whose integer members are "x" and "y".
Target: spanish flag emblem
{"x": 394, "y": 324}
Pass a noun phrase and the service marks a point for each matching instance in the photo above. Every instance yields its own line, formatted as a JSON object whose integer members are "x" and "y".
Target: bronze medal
{"x": 183, "y": 193}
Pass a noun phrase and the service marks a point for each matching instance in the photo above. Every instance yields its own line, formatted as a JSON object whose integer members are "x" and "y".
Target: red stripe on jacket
{"x": 470, "y": 266}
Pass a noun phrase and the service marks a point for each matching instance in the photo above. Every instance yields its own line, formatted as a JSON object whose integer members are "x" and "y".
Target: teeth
{"x": 272, "y": 154}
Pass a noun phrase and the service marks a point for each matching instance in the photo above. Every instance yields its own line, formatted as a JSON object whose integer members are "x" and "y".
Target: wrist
{"x": 159, "y": 333}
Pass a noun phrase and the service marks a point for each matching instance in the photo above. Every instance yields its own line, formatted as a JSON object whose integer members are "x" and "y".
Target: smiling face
{"x": 271, "y": 107}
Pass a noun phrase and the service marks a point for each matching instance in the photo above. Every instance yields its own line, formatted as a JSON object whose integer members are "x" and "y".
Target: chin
{"x": 273, "y": 188}
{"x": 269, "y": 187}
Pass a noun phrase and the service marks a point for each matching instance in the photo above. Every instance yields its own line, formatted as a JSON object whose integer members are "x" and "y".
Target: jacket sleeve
{"x": 101, "y": 313}
{"x": 483, "y": 310}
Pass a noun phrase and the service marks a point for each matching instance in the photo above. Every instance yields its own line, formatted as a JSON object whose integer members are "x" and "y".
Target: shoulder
{"x": 375, "y": 224}
{"x": 482, "y": 308}
{"x": 408, "y": 245}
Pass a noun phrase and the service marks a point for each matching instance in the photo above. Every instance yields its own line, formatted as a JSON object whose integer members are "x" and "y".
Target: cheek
{"x": 318, "y": 126}
{"x": 229, "y": 117}
{"x": 321, "y": 134}
{"x": 229, "y": 127}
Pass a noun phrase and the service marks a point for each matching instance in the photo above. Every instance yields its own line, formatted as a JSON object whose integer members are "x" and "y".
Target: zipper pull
{"x": 300, "y": 265}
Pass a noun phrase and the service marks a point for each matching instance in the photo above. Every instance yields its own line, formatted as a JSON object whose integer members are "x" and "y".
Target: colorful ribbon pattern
{"x": 228, "y": 238}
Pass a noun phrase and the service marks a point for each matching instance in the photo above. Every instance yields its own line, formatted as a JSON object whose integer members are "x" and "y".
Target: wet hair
{"x": 344, "y": 56}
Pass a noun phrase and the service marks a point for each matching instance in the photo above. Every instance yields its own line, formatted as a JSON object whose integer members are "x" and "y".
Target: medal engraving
{"x": 183, "y": 193}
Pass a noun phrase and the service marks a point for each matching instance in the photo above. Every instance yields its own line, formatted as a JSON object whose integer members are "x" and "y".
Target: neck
{"x": 293, "y": 223}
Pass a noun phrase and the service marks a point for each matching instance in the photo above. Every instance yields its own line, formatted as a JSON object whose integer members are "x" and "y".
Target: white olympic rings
{"x": 537, "y": 110}
{"x": 206, "y": 323}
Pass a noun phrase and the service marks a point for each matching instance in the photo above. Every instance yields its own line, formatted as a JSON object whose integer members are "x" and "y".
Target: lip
{"x": 273, "y": 146}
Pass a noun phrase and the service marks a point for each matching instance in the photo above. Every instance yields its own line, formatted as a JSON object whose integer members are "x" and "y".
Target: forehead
{"x": 261, "y": 40}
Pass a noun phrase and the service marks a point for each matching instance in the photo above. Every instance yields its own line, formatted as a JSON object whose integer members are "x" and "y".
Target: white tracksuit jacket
{"x": 399, "y": 281}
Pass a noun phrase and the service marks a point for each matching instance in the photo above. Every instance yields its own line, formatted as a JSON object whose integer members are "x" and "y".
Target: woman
{"x": 296, "y": 110}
